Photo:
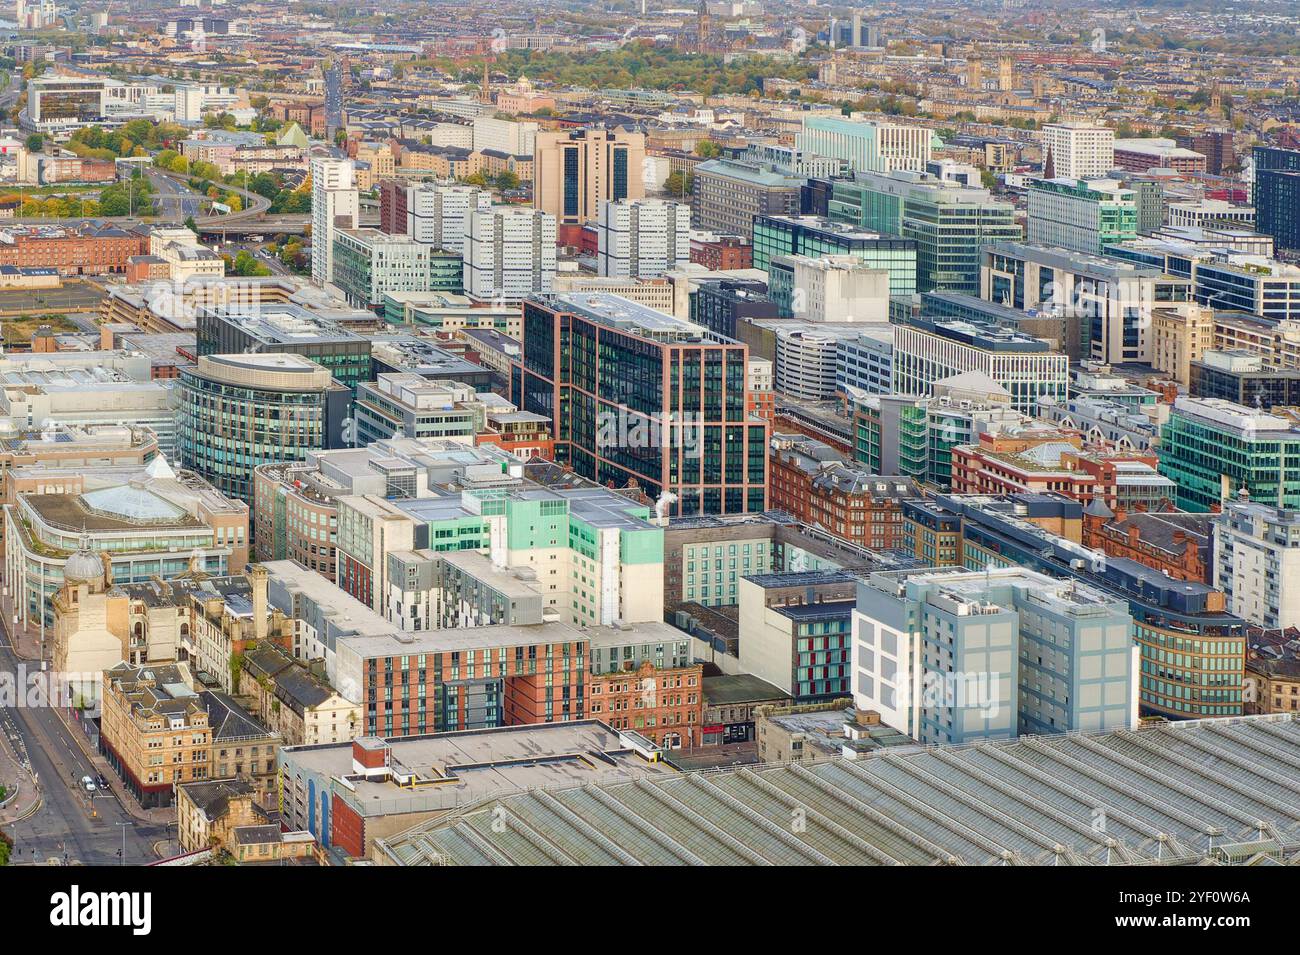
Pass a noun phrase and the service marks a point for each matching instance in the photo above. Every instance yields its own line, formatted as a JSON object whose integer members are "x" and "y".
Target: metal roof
{"x": 1167, "y": 793}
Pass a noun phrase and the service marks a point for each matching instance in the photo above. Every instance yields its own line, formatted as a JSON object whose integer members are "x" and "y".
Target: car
{"x": 88, "y": 783}
{"x": 103, "y": 783}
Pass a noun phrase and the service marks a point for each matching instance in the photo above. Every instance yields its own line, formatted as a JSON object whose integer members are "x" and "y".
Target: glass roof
{"x": 132, "y": 503}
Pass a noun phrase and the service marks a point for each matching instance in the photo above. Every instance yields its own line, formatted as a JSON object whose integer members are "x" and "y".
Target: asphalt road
{"x": 71, "y": 826}
{"x": 174, "y": 199}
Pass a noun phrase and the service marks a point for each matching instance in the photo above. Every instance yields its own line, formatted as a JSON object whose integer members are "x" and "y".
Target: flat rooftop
{"x": 457, "y": 769}
{"x": 282, "y": 324}
{"x": 730, "y": 689}
{"x": 629, "y": 316}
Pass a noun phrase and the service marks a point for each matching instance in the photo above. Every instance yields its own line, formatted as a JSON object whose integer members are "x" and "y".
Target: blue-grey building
{"x": 951, "y": 655}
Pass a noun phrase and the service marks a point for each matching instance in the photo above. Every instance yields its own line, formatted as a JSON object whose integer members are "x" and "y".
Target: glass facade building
{"x": 948, "y": 221}
{"x": 1277, "y": 195}
{"x": 1215, "y": 449}
{"x": 639, "y": 398}
{"x": 814, "y": 236}
{"x": 288, "y": 330}
{"x": 238, "y": 412}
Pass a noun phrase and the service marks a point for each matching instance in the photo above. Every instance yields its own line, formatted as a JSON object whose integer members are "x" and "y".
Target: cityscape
{"x": 639, "y": 433}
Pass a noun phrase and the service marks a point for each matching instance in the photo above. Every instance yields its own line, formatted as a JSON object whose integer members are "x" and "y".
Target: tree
{"x": 34, "y": 142}
{"x": 114, "y": 204}
{"x": 679, "y": 184}
{"x": 191, "y": 224}
{"x": 245, "y": 265}
{"x": 265, "y": 185}
{"x": 507, "y": 180}
{"x": 708, "y": 149}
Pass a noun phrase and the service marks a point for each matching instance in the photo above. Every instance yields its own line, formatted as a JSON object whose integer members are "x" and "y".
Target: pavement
{"x": 72, "y": 296}
{"x": 67, "y": 824}
{"x": 22, "y": 796}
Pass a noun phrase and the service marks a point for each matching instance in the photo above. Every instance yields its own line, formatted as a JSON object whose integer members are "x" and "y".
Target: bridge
{"x": 238, "y": 225}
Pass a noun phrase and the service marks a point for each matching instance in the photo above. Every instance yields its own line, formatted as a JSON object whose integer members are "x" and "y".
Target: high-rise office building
{"x": 929, "y": 350}
{"x": 728, "y": 195}
{"x": 1083, "y": 215}
{"x": 640, "y": 398}
{"x": 1277, "y": 195}
{"x": 1077, "y": 150}
{"x": 949, "y": 221}
{"x": 370, "y": 265}
{"x": 815, "y": 236}
{"x": 1215, "y": 450}
{"x": 334, "y": 205}
{"x": 1109, "y": 299}
{"x": 284, "y": 329}
{"x": 854, "y": 32}
{"x": 510, "y": 253}
{"x": 643, "y": 238}
{"x": 238, "y": 412}
{"x": 574, "y": 170}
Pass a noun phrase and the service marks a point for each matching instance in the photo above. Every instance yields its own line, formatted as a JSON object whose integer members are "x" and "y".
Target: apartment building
{"x": 1077, "y": 150}
{"x": 642, "y": 238}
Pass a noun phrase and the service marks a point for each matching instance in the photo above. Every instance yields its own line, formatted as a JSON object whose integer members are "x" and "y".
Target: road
{"x": 64, "y": 827}
{"x": 175, "y": 200}
{"x": 9, "y": 95}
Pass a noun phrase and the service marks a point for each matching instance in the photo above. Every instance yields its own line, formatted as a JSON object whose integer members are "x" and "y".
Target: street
{"x": 175, "y": 200}
{"x": 71, "y": 826}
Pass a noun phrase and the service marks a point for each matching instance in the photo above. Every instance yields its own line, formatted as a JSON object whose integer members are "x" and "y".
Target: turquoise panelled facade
{"x": 1215, "y": 450}
{"x": 815, "y": 236}
{"x": 949, "y": 223}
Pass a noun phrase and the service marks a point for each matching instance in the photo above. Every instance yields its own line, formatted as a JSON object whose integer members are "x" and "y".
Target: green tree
{"x": 679, "y": 184}
{"x": 34, "y": 142}
{"x": 244, "y": 264}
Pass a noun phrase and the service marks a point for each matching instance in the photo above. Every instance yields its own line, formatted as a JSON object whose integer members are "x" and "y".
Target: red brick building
{"x": 811, "y": 481}
{"x": 1175, "y": 543}
{"x": 664, "y": 705}
{"x": 1045, "y": 461}
{"x": 310, "y": 116}
{"x": 499, "y": 677}
{"x": 82, "y": 249}
{"x": 723, "y": 252}
{"x": 393, "y": 206}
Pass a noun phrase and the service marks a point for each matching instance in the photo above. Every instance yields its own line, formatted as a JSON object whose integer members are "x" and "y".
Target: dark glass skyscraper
{"x": 639, "y": 398}
{"x": 1277, "y": 195}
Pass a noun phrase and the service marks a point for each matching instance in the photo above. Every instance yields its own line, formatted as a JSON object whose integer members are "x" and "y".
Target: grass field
{"x": 16, "y": 330}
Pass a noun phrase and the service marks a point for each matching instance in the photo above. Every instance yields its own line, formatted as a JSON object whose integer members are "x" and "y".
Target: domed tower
{"x": 84, "y": 567}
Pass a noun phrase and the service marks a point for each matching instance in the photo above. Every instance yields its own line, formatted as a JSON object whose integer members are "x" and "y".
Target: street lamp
{"x": 122, "y": 851}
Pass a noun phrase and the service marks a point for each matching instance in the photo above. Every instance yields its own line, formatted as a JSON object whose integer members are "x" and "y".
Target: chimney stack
{"x": 258, "y": 576}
